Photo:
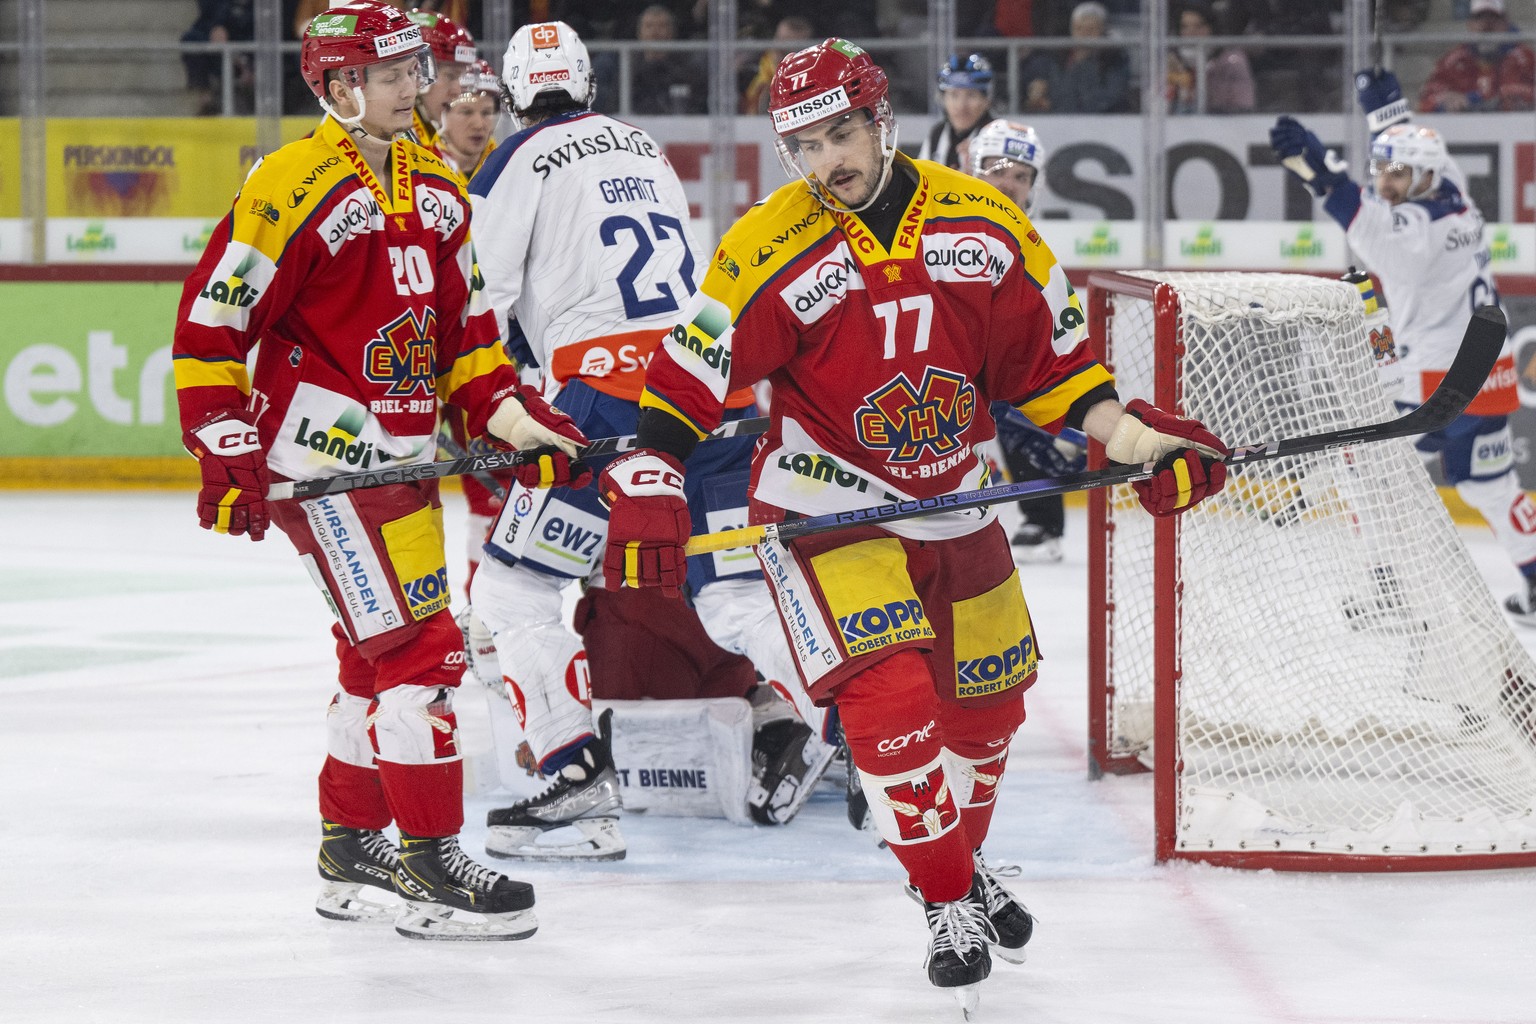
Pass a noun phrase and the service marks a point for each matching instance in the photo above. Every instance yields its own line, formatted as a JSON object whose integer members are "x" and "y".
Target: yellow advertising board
{"x": 139, "y": 167}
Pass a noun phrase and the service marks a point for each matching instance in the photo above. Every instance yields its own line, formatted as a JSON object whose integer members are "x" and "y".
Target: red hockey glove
{"x": 1188, "y": 456}
{"x": 648, "y": 522}
{"x": 233, "y": 498}
{"x": 527, "y": 423}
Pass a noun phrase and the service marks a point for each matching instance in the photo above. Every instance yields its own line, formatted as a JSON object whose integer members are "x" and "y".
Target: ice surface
{"x": 164, "y": 691}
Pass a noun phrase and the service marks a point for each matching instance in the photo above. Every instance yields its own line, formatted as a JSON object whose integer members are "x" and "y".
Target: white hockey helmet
{"x": 1007, "y": 142}
{"x": 546, "y": 57}
{"x": 1418, "y": 149}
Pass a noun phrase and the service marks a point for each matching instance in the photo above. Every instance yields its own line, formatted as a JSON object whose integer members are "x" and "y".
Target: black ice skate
{"x": 449, "y": 896}
{"x": 1011, "y": 921}
{"x": 351, "y": 858}
{"x": 959, "y": 933}
{"x": 788, "y": 759}
{"x": 578, "y": 814}
{"x": 858, "y": 804}
{"x": 1521, "y": 606}
{"x": 1032, "y": 543}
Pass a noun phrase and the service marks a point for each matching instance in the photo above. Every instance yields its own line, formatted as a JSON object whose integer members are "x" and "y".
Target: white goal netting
{"x": 1343, "y": 681}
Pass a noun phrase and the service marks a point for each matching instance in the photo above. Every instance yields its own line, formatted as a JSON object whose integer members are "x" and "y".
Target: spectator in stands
{"x": 1289, "y": 79}
{"x": 1228, "y": 78}
{"x": 1087, "y": 80}
{"x": 218, "y": 21}
{"x": 666, "y": 81}
{"x": 791, "y": 34}
{"x": 1493, "y": 75}
{"x": 965, "y": 94}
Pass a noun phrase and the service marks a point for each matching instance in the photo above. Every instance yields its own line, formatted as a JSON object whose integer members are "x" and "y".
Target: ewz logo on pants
{"x": 882, "y": 625}
{"x": 993, "y": 673}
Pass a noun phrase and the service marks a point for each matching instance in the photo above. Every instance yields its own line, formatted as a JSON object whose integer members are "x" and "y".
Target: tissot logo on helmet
{"x": 397, "y": 42}
{"x": 818, "y": 107}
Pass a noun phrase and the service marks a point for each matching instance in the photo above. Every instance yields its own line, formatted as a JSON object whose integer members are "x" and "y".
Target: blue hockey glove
{"x": 1304, "y": 156}
{"x": 1055, "y": 456}
{"x": 1381, "y": 98}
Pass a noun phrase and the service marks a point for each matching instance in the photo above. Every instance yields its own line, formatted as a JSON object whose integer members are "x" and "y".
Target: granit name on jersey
{"x": 605, "y": 141}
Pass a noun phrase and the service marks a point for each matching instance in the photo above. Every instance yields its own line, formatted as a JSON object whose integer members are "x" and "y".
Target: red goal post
{"x": 1309, "y": 663}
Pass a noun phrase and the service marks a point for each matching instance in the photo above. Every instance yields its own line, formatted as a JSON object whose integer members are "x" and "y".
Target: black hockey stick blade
{"x": 1480, "y": 347}
{"x": 474, "y": 464}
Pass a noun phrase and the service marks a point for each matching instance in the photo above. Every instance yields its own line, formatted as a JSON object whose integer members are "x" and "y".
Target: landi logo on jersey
{"x": 870, "y": 629}
{"x": 993, "y": 673}
{"x": 909, "y": 422}
{"x": 402, "y": 354}
{"x": 340, "y": 441}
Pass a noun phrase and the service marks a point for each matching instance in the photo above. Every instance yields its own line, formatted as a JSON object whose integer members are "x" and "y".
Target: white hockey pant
{"x": 740, "y": 616}
{"x": 543, "y": 666}
{"x": 1508, "y": 510}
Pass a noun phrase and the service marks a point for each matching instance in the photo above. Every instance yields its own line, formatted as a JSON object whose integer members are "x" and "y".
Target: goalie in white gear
{"x": 1422, "y": 236}
{"x": 1008, "y": 155}
{"x": 583, "y": 237}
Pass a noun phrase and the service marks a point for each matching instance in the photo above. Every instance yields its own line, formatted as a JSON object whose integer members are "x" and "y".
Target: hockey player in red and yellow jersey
{"x": 889, "y": 301}
{"x": 347, "y": 256}
{"x": 453, "y": 48}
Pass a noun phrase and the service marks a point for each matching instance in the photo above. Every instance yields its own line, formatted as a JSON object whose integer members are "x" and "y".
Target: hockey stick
{"x": 487, "y": 463}
{"x": 451, "y": 447}
{"x": 1480, "y": 348}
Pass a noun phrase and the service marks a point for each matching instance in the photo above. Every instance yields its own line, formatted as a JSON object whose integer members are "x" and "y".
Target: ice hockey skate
{"x": 576, "y": 818}
{"x": 1011, "y": 921}
{"x": 787, "y": 761}
{"x": 1031, "y": 543}
{"x": 450, "y": 897}
{"x": 959, "y": 934}
{"x": 351, "y": 858}
{"x": 858, "y": 804}
{"x": 1521, "y": 605}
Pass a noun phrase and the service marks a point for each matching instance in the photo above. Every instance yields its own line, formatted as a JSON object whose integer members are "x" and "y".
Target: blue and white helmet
{"x": 1007, "y": 142}
{"x": 1416, "y": 148}
{"x": 972, "y": 71}
{"x": 543, "y": 58}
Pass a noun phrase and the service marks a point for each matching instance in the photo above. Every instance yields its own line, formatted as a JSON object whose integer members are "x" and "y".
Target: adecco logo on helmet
{"x": 397, "y": 42}
{"x": 823, "y": 105}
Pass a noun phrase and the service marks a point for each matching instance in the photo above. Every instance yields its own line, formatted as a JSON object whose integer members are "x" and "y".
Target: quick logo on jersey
{"x": 808, "y": 111}
{"x": 357, "y": 214}
{"x": 910, "y": 422}
{"x": 976, "y": 677}
{"x": 963, "y": 257}
{"x": 815, "y": 292}
{"x": 870, "y": 629}
{"x": 439, "y": 209}
{"x": 923, "y": 806}
{"x": 402, "y": 355}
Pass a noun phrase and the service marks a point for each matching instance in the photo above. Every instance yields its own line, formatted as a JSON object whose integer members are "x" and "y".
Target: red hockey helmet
{"x": 451, "y": 43}
{"x": 826, "y": 82}
{"x": 354, "y": 36}
{"x": 479, "y": 78}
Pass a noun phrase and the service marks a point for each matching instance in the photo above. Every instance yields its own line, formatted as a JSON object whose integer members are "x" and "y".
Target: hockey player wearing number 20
{"x": 889, "y": 301}
{"x": 1422, "y": 237}
{"x": 347, "y": 254}
{"x": 586, "y": 245}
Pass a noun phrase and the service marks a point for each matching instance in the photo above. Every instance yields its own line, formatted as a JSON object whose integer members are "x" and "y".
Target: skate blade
{"x": 600, "y": 840}
{"x": 342, "y": 901}
{"x": 969, "y": 998}
{"x": 1013, "y": 956}
{"x": 435, "y": 922}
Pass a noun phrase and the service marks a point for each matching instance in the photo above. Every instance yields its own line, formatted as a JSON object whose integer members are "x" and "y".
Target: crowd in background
{"x": 1093, "y": 77}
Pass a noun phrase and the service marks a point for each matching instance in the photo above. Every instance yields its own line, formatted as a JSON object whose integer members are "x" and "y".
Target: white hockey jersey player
{"x": 628, "y": 255}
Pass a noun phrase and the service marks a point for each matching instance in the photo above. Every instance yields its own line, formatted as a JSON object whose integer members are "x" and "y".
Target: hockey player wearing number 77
{"x": 1422, "y": 236}
{"x": 889, "y": 302}
{"x": 347, "y": 255}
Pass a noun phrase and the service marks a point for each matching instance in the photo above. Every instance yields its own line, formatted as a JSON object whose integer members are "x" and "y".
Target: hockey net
{"x": 1310, "y": 662}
